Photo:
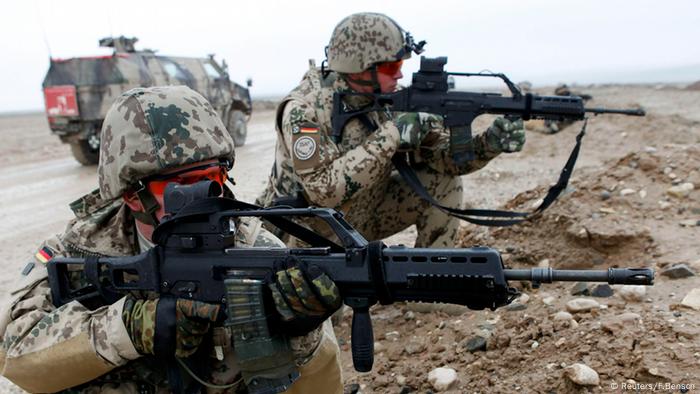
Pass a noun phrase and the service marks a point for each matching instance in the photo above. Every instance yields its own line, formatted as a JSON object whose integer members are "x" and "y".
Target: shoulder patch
{"x": 44, "y": 254}
{"x": 305, "y": 146}
{"x": 305, "y": 128}
{"x": 308, "y": 129}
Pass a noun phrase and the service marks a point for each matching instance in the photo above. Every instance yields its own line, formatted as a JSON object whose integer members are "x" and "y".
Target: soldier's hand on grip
{"x": 505, "y": 135}
{"x": 413, "y": 127}
{"x": 191, "y": 320}
{"x": 304, "y": 296}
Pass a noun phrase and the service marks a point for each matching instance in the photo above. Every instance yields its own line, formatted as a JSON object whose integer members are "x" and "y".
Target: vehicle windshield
{"x": 211, "y": 71}
{"x": 172, "y": 69}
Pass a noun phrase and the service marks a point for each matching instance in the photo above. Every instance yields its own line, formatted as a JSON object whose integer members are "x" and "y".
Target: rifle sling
{"x": 409, "y": 175}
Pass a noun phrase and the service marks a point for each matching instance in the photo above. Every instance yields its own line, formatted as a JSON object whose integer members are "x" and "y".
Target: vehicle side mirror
{"x": 249, "y": 82}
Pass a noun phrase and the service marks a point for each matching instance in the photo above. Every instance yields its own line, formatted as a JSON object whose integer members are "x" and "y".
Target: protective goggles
{"x": 216, "y": 172}
{"x": 389, "y": 68}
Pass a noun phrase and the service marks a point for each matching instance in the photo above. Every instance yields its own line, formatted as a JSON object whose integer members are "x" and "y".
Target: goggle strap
{"x": 150, "y": 206}
{"x": 158, "y": 177}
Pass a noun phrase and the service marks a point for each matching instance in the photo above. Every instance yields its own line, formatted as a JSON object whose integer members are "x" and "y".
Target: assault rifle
{"x": 429, "y": 93}
{"x": 195, "y": 258}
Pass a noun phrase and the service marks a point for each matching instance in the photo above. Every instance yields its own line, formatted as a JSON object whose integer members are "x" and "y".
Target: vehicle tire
{"x": 87, "y": 151}
{"x": 237, "y": 127}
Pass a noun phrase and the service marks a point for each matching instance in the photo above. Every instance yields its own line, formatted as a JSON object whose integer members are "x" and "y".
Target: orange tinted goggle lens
{"x": 216, "y": 174}
{"x": 389, "y": 68}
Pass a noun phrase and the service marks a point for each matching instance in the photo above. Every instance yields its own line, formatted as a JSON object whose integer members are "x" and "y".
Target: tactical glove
{"x": 413, "y": 127}
{"x": 192, "y": 322}
{"x": 304, "y": 297}
{"x": 505, "y": 135}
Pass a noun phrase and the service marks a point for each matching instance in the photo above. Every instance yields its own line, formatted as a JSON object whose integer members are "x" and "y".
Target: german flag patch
{"x": 44, "y": 254}
{"x": 308, "y": 129}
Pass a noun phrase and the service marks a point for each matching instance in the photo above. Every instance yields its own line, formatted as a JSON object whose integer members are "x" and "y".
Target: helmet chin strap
{"x": 373, "y": 83}
{"x": 375, "y": 79}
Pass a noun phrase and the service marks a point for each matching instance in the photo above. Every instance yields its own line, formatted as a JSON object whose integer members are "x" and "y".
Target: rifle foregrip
{"x": 362, "y": 340}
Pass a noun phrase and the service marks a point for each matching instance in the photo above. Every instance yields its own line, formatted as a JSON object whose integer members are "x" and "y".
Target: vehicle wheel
{"x": 85, "y": 151}
{"x": 237, "y": 127}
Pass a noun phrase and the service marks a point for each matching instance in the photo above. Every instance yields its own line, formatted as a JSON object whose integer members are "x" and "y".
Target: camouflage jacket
{"x": 331, "y": 174}
{"x": 46, "y": 349}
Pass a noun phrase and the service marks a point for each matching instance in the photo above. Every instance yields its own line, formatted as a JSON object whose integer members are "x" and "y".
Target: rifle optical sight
{"x": 177, "y": 196}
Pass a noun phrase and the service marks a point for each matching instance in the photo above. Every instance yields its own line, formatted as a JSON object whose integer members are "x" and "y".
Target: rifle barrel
{"x": 619, "y": 276}
{"x": 632, "y": 112}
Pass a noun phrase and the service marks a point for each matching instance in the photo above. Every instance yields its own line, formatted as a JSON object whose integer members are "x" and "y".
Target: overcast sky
{"x": 544, "y": 41}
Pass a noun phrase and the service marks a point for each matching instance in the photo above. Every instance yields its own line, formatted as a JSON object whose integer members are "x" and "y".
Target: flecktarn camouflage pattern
{"x": 192, "y": 319}
{"x": 149, "y": 130}
{"x": 363, "y": 39}
{"x": 47, "y": 349}
{"x": 356, "y": 175}
{"x": 506, "y": 136}
{"x": 413, "y": 127}
{"x": 294, "y": 297}
{"x": 78, "y": 92}
{"x": 92, "y": 347}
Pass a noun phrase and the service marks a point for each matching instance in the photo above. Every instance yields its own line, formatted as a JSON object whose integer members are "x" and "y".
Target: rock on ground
{"x": 583, "y": 375}
{"x": 581, "y": 305}
{"x": 678, "y": 271}
{"x": 442, "y": 378}
{"x": 633, "y": 293}
{"x": 692, "y": 299}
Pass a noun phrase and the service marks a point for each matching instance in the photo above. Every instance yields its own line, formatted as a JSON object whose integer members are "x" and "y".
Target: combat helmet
{"x": 149, "y": 130}
{"x": 364, "y": 39}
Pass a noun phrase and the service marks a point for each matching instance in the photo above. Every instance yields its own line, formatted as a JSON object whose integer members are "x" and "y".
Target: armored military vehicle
{"x": 79, "y": 91}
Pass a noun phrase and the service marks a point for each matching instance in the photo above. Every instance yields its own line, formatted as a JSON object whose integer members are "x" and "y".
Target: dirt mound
{"x": 693, "y": 86}
{"x": 605, "y": 217}
{"x": 633, "y": 211}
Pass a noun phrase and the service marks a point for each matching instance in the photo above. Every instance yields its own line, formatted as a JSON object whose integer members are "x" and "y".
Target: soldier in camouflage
{"x": 151, "y": 137}
{"x": 355, "y": 175}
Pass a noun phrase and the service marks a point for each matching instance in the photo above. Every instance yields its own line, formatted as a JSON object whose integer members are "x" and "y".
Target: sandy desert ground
{"x": 622, "y": 208}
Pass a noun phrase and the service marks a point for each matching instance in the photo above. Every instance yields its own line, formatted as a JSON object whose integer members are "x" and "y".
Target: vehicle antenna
{"x": 41, "y": 25}
{"x": 109, "y": 22}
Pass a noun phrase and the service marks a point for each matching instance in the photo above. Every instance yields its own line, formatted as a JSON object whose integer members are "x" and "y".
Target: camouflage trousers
{"x": 320, "y": 373}
{"x": 392, "y": 206}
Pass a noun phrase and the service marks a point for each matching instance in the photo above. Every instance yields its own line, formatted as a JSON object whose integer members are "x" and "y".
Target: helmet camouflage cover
{"x": 364, "y": 39}
{"x": 148, "y": 130}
